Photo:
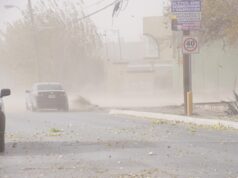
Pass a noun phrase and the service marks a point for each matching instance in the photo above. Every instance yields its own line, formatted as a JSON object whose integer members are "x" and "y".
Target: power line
{"x": 98, "y": 11}
{"x": 126, "y": 4}
{"x": 120, "y": 6}
{"x": 94, "y": 4}
{"x": 117, "y": 8}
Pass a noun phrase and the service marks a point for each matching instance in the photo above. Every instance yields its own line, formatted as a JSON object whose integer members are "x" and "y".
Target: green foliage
{"x": 55, "y": 130}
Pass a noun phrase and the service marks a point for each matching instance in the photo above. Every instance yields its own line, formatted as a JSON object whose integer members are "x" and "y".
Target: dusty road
{"x": 75, "y": 145}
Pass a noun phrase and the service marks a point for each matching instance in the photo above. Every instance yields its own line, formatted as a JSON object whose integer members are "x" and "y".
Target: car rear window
{"x": 49, "y": 87}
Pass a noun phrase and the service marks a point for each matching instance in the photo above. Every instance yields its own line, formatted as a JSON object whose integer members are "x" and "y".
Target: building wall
{"x": 159, "y": 29}
{"x": 214, "y": 69}
{"x": 140, "y": 75}
{"x": 214, "y": 72}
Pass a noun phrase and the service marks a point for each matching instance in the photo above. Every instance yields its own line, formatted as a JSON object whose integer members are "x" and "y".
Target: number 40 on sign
{"x": 190, "y": 45}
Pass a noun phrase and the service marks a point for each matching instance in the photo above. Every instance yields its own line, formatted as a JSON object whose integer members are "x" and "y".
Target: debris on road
{"x": 151, "y": 153}
{"x": 60, "y": 156}
{"x": 14, "y": 145}
{"x": 55, "y": 132}
{"x": 83, "y": 104}
{"x": 233, "y": 106}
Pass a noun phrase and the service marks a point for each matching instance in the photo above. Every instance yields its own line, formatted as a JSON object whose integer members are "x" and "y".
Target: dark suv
{"x": 4, "y": 92}
{"x": 47, "y": 96}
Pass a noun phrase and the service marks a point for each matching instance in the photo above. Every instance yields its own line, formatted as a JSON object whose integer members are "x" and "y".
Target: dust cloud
{"x": 102, "y": 67}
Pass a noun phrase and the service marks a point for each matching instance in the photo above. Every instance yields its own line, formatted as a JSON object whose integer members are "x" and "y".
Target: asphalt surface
{"x": 75, "y": 145}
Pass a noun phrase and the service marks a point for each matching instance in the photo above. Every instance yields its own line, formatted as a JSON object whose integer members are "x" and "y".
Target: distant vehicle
{"x": 4, "y": 92}
{"x": 46, "y": 96}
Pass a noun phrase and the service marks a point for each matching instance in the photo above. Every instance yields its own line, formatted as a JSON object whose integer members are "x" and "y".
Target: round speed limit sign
{"x": 190, "y": 45}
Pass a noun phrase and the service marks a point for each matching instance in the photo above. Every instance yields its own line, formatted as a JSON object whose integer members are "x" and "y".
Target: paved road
{"x": 85, "y": 145}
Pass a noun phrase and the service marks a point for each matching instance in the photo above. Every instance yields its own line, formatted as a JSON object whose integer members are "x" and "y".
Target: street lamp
{"x": 35, "y": 40}
{"x": 31, "y": 13}
{"x": 9, "y": 6}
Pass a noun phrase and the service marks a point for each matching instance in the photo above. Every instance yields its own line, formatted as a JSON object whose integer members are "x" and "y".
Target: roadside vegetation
{"x": 56, "y": 45}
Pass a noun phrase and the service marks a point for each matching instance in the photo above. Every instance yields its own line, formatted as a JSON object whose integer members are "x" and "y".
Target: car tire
{"x": 2, "y": 142}
{"x": 2, "y": 132}
{"x": 63, "y": 109}
{"x": 34, "y": 109}
{"x": 66, "y": 108}
{"x": 27, "y": 107}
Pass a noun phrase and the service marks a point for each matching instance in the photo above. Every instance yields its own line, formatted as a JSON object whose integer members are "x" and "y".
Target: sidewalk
{"x": 178, "y": 118}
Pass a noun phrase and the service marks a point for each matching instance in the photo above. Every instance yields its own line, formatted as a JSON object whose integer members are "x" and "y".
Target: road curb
{"x": 177, "y": 118}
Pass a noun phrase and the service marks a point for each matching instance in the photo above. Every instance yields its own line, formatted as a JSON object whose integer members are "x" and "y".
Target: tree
{"x": 220, "y": 20}
{"x": 64, "y": 48}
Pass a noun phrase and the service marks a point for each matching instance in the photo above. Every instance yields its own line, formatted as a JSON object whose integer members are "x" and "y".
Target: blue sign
{"x": 187, "y": 14}
{"x": 186, "y": 6}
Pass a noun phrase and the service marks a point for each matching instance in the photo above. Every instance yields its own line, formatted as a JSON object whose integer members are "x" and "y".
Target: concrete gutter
{"x": 177, "y": 118}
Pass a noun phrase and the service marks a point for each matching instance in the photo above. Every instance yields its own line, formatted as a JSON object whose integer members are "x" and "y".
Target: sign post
{"x": 188, "y": 17}
{"x": 187, "y": 79}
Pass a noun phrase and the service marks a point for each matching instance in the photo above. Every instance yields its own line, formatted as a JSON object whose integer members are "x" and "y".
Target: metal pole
{"x": 35, "y": 40}
{"x": 31, "y": 12}
{"x": 187, "y": 80}
{"x": 119, "y": 43}
{"x": 106, "y": 44}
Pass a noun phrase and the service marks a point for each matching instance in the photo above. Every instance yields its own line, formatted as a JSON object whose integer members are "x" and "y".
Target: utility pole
{"x": 35, "y": 41}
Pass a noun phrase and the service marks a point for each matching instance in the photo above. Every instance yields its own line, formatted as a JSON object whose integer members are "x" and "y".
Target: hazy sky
{"x": 129, "y": 21}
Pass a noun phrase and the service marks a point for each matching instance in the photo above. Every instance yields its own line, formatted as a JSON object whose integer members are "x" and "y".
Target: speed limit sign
{"x": 190, "y": 45}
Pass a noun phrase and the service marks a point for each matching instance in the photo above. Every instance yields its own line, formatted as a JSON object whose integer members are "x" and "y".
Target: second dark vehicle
{"x": 3, "y": 93}
{"x": 44, "y": 96}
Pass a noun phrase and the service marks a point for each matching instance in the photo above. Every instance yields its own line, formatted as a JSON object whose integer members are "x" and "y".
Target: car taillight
{"x": 38, "y": 94}
{"x": 35, "y": 93}
{"x": 62, "y": 94}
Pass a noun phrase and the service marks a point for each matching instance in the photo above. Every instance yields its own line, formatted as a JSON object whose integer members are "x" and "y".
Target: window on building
{"x": 151, "y": 47}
